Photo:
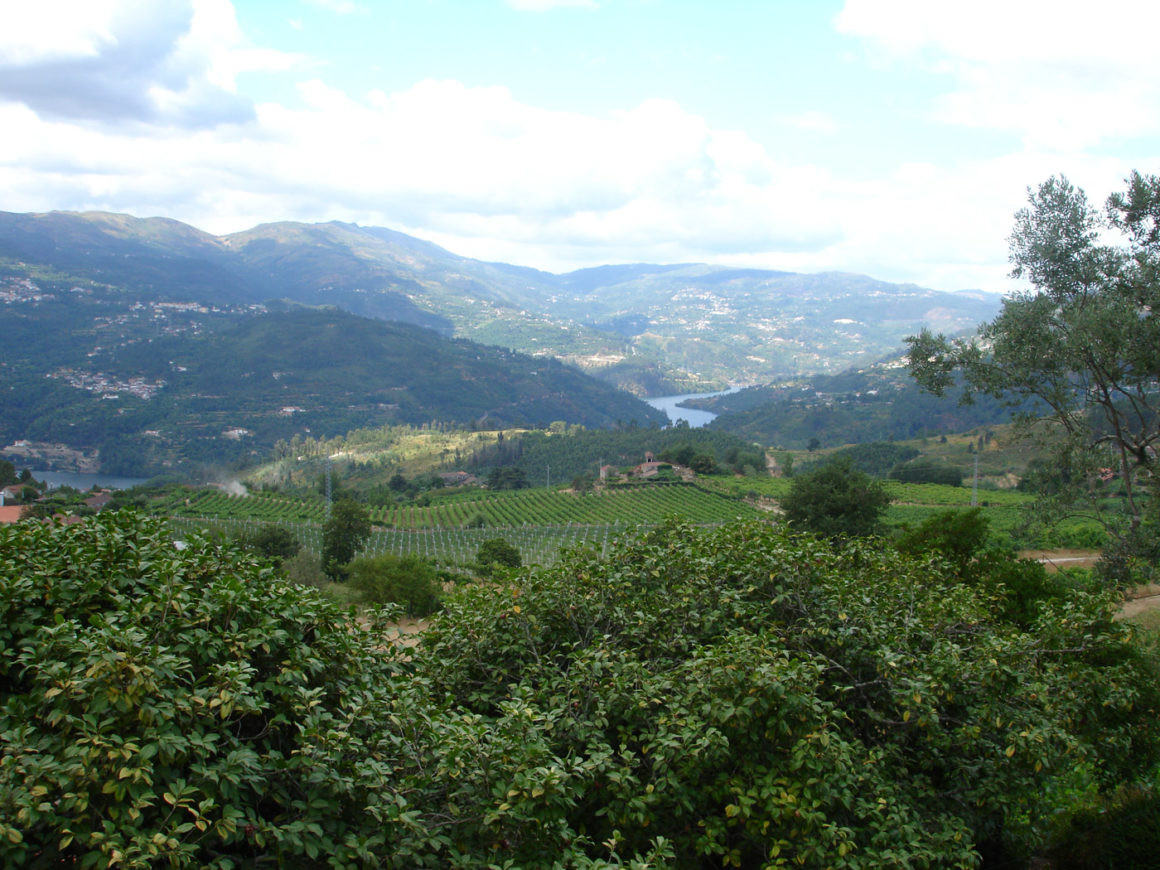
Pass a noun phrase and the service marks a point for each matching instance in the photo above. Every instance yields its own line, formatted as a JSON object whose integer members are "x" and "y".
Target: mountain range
{"x": 652, "y": 329}
{"x": 152, "y": 341}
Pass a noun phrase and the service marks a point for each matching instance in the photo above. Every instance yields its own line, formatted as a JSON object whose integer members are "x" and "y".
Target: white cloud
{"x": 1061, "y": 74}
{"x": 473, "y": 165}
{"x": 654, "y": 174}
{"x": 486, "y": 175}
{"x": 36, "y": 32}
{"x": 117, "y": 61}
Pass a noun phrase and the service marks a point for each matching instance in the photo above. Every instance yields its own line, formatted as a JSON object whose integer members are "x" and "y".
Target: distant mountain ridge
{"x": 680, "y": 326}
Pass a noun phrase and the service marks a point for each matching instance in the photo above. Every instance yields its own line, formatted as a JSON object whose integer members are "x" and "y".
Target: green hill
{"x": 880, "y": 403}
{"x": 228, "y": 394}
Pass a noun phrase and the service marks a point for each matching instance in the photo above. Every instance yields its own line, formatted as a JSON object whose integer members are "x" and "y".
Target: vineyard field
{"x": 539, "y": 545}
{"x": 540, "y": 522}
{"x": 537, "y": 507}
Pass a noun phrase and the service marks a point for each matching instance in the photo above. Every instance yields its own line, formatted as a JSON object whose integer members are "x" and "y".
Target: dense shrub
{"x": 409, "y": 581}
{"x": 836, "y": 500}
{"x": 754, "y": 697}
{"x": 496, "y": 552}
{"x": 273, "y": 542}
{"x": 927, "y": 471}
{"x": 165, "y": 706}
{"x": 875, "y": 459}
{"x": 345, "y": 532}
{"x": 507, "y": 477}
{"x": 305, "y": 569}
{"x": 1121, "y": 832}
{"x": 960, "y": 534}
{"x": 730, "y": 697}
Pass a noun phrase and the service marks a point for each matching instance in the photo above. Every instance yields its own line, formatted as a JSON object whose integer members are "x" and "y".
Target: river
{"x": 695, "y": 417}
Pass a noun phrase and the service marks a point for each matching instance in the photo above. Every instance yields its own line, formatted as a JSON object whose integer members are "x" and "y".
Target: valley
{"x": 348, "y": 458}
{"x": 579, "y": 434}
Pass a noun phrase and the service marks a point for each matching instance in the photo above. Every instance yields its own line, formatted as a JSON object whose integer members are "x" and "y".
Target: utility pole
{"x": 328, "y": 486}
{"x": 975, "y": 485}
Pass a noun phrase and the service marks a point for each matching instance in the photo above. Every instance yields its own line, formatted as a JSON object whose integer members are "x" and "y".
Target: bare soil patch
{"x": 1055, "y": 560}
{"x": 409, "y": 630}
{"x": 1142, "y": 599}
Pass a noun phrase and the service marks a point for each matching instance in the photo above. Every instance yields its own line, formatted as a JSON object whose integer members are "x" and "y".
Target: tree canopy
{"x": 835, "y": 500}
{"x": 344, "y": 533}
{"x": 1084, "y": 343}
{"x": 497, "y": 551}
{"x": 729, "y": 697}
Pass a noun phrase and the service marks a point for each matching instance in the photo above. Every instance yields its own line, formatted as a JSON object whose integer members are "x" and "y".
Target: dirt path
{"x": 1142, "y": 599}
{"x": 1056, "y": 559}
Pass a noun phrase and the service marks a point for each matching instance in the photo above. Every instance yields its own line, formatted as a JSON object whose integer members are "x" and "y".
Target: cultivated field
{"x": 449, "y": 526}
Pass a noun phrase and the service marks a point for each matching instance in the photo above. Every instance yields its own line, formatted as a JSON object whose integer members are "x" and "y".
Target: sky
{"x": 893, "y": 138}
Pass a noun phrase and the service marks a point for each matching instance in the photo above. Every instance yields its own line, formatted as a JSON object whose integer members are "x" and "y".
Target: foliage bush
{"x": 835, "y": 500}
{"x": 344, "y": 533}
{"x": 875, "y": 458}
{"x": 273, "y": 542}
{"x": 1121, "y": 832}
{"x": 172, "y": 707}
{"x": 507, "y": 477}
{"x": 927, "y": 471}
{"x": 703, "y": 463}
{"x": 1017, "y": 588}
{"x": 727, "y": 697}
{"x": 756, "y": 698}
{"x": 496, "y": 552}
{"x": 959, "y": 534}
{"x": 305, "y": 569}
{"x": 408, "y": 581}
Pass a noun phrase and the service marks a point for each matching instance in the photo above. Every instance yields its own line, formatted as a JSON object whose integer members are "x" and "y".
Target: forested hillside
{"x": 225, "y": 395}
{"x": 564, "y": 455}
{"x": 879, "y": 403}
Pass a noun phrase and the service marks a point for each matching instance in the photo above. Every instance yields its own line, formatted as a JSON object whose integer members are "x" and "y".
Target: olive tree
{"x": 497, "y": 553}
{"x": 409, "y": 581}
{"x": 274, "y": 542}
{"x": 1082, "y": 344}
